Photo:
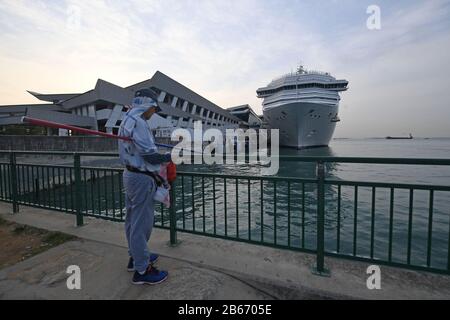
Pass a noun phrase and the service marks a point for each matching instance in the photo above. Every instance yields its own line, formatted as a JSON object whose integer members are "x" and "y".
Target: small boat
{"x": 410, "y": 137}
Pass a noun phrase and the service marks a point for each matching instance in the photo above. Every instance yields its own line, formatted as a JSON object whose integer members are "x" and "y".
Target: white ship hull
{"x": 303, "y": 106}
{"x": 303, "y": 124}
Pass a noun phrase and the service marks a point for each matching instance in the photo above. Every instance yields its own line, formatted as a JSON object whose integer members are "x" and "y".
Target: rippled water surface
{"x": 295, "y": 223}
{"x": 284, "y": 213}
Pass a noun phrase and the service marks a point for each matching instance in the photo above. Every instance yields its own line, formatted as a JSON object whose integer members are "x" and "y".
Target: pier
{"x": 246, "y": 215}
{"x": 238, "y": 216}
{"x": 200, "y": 268}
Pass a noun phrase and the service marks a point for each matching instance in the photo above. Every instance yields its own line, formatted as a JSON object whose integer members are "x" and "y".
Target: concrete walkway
{"x": 199, "y": 268}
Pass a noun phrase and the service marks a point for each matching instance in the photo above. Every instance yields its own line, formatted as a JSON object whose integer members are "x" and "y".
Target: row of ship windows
{"x": 320, "y": 98}
{"x": 304, "y": 86}
{"x": 311, "y": 115}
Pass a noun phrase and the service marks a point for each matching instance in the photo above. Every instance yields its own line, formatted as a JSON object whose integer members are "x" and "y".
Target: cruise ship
{"x": 304, "y": 106}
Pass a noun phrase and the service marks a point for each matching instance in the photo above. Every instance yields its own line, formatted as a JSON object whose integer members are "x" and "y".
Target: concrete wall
{"x": 57, "y": 143}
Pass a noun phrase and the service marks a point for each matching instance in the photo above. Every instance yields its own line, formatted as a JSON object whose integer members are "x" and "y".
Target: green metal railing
{"x": 304, "y": 214}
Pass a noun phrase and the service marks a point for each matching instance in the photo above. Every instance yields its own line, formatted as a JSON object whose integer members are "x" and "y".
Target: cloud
{"x": 226, "y": 50}
{"x": 398, "y": 75}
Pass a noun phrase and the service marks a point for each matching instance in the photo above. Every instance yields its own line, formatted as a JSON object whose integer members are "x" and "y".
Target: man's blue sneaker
{"x": 151, "y": 276}
{"x": 153, "y": 258}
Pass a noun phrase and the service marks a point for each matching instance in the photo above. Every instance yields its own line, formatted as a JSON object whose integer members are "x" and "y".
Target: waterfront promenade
{"x": 200, "y": 268}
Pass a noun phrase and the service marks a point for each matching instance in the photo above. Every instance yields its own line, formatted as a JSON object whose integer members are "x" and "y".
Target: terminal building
{"x": 103, "y": 108}
{"x": 247, "y": 116}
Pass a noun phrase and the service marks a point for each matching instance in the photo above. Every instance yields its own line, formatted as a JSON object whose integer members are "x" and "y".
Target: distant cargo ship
{"x": 410, "y": 137}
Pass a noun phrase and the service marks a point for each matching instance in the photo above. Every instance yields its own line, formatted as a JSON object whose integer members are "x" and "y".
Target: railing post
{"x": 13, "y": 179}
{"x": 319, "y": 269}
{"x": 173, "y": 218}
{"x": 77, "y": 172}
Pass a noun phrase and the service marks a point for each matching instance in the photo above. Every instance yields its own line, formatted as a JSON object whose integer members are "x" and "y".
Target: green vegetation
{"x": 57, "y": 238}
{"x": 50, "y": 240}
{"x": 22, "y": 130}
{"x": 53, "y": 238}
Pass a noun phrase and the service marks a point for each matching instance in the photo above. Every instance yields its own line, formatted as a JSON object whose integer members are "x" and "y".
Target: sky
{"x": 224, "y": 50}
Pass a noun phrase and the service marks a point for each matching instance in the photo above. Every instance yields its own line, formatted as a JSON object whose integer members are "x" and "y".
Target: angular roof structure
{"x": 103, "y": 91}
{"x": 54, "y": 98}
{"x": 66, "y": 107}
{"x": 167, "y": 84}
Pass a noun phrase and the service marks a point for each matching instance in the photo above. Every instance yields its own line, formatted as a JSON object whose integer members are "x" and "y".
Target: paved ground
{"x": 103, "y": 276}
{"x": 199, "y": 267}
